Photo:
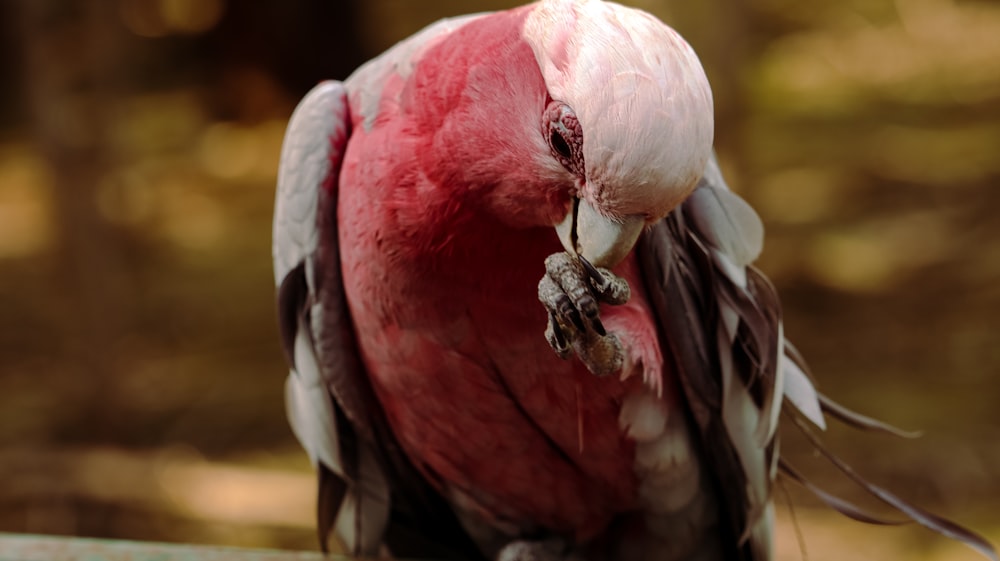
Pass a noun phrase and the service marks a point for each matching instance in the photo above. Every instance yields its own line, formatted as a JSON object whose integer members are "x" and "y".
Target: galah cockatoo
{"x": 517, "y": 298}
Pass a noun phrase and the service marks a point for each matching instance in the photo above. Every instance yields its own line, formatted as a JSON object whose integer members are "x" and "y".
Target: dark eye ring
{"x": 561, "y": 130}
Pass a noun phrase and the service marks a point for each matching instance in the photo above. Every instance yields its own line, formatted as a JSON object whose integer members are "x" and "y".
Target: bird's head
{"x": 630, "y": 117}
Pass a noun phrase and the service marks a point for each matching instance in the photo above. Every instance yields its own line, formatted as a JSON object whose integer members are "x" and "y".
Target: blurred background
{"x": 140, "y": 373}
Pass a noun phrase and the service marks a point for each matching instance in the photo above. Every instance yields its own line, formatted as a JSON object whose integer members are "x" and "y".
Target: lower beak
{"x": 601, "y": 240}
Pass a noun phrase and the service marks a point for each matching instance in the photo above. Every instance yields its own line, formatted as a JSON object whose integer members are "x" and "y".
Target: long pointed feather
{"x": 927, "y": 519}
{"x": 773, "y": 396}
{"x": 858, "y": 420}
{"x": 842, "y": 506}
{"x": 740, "y": 416}
{"x": 801, "y": 393}
{"x": 310, "y": 409}
{"x": 331, "y": 492}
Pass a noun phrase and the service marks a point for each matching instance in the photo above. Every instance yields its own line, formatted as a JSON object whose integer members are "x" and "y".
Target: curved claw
{"x": 556, "y": 338}
{"x": 567, "y": 311}
{"x": 598, "y": 326}
{"x": 596, "y": 278}
{"x": 608, "y": 287}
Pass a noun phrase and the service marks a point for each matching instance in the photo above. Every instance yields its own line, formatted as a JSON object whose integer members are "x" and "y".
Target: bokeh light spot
{"x": 26, "y": 221}
{"x": 192, "y": 16}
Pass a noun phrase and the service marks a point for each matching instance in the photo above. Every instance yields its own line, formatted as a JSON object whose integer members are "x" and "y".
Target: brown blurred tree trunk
{"x": 69, "y": 50}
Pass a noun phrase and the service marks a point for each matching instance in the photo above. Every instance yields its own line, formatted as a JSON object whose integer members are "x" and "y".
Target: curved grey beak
{"x": 602, "y": 241}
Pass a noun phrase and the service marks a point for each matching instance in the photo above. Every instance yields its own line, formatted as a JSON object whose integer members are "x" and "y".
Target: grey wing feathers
{"x": 721, "y": 321}
{"x": 308, "y": 155}
{"x": 316, "y": 327}
{"x": 370, "y": 495}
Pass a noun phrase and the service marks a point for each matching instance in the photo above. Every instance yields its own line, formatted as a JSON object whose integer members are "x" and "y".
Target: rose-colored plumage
{"x": 444, "y": 237}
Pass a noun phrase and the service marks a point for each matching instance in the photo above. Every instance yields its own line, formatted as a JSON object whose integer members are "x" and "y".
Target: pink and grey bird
{"x": 518, "y": 302}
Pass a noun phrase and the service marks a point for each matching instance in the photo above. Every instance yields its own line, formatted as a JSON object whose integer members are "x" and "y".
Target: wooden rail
{"x": 27, "y": 547}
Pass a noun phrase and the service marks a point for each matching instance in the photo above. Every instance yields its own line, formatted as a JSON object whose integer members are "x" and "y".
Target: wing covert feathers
{"x": 321, "y": 386}
{"x": 313, "y": 145}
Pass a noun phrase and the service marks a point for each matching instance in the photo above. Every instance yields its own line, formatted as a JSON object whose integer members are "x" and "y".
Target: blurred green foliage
{"x": 140, "y": 375}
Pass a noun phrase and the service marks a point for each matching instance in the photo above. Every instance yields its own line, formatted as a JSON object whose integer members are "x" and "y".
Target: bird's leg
{"x": 572, "y": 290}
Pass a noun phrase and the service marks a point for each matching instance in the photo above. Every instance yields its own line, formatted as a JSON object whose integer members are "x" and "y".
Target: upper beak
{"x": 601, "y": 240}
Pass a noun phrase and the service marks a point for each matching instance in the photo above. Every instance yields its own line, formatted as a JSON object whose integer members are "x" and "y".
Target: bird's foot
{"x": 527, "y": 550}
{"x": 572, "y": 290}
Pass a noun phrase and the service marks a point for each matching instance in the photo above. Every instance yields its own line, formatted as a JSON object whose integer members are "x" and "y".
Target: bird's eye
{"x": 565, "y": 136}
{"x": 560, "y": 145}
